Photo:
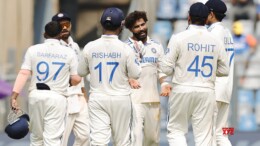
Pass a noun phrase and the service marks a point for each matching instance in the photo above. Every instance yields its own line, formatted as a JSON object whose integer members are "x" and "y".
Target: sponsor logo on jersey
{"x": 149, "y": 60}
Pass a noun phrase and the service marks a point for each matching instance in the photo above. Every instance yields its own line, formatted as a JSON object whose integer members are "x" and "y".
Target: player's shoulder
{"x": 128, "y": 41}
{"x": 90, "y": 45}
{"x": 155, "y": 42}
{"x": 36, "y": 47}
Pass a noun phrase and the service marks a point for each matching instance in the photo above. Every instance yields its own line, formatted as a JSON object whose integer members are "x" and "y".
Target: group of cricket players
{"x": 195, "y": 72}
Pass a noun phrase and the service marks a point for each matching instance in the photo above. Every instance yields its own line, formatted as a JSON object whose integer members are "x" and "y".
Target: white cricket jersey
{"x": 150, "y": 74}
{"x": 224, "y": 85}
{"x": 195, "y": 57}
{"x": 52, "y": 64}
{"x": 110, "y": 63}
{"x": 75, "y": 47}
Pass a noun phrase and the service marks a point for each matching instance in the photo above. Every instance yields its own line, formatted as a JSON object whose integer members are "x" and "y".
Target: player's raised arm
{"x": 223, "y": 66}
{"x": 133, "y": 65}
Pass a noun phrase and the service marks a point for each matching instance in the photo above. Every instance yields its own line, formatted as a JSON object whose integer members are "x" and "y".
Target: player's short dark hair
{"x": 198, "y": 20}
{"x": 132, "y": 17}
{"x": 53, "y": 28}
{"x": 219, "y": 16}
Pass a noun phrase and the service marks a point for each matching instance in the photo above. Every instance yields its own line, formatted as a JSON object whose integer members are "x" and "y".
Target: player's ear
{"x": 189, "y": 20}
{"x": 45, "y": 35}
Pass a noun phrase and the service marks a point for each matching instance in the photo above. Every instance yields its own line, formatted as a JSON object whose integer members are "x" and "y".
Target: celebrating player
{"x": 195, "y": 58}
{"x": 145, "y": 99}
{"x": 77, "y": 113}
{"x": 110, "y": 64}
{"x": 52, "y": 66}
{"x": 223, "y": 85}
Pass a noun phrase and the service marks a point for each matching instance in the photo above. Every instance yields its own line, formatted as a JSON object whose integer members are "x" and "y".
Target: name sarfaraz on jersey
{"x": 51, "y": 55}
{"x": 106, "y": 55}
{"x": 200, "y": 47}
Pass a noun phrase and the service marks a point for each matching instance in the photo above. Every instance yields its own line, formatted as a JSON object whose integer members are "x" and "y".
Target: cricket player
{"x": 145, "y": 99}
{"x": 51, "y": 67}
{"x": 195, "y": 57}
{"x": 77, "y": 111}
{"x": 110, "y": 64}
{"x": 223, "y": 85}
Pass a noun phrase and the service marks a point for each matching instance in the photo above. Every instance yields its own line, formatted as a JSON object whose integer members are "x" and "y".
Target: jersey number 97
{"x": 43, "y": 70}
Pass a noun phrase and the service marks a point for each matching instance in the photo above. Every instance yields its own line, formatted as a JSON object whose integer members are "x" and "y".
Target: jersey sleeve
{"x": 73, "y": 64}
{"x": 27, "y": 61}
{"x": 161, "y": 55}
{"x": 222, "y": 63}
{"x": 167, "y": 63}
{"x": 83, "y": 67}
{"x": 133, "y": 65}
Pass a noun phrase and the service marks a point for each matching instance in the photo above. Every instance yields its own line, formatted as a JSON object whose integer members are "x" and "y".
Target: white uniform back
{"x": 110, "y": 63}
{"x": 149, "y": 76}
{"x": 199, "y": 57}
{"x": 75, "y": 47}
{"x": 224, "y": 84}
{"x": 52, "y": 64}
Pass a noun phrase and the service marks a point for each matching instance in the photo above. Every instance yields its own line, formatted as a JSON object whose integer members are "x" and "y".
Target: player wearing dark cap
{"x": 223, "y": 85}
{"x": 110, "y": 63}
{"x": 77, "y": 118}
{"x": 195, "y": 58}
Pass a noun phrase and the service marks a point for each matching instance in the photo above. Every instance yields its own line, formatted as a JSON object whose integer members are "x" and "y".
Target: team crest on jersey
{"x": 153, "y": 50}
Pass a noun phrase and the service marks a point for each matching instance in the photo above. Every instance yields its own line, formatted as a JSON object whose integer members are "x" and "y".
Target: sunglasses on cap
{"x": 65, "y": 24}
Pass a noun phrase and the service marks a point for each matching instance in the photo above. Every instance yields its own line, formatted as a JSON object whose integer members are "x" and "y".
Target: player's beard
{"x": 141, "y": 36}
{"x": 65, "y": 34}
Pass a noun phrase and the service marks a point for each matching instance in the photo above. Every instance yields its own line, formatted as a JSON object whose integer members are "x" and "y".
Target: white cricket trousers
{"x": 110, "y": 114}
{"x": 79, "y": 123}
{"x": 147, "y": 124}
{"x": 197, "y": 107}
{"x": 47, "y": 112}
{"x": 221, "y": 117}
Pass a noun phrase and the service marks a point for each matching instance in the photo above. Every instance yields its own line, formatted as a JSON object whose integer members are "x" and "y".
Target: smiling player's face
{"x": 139, "y": 29}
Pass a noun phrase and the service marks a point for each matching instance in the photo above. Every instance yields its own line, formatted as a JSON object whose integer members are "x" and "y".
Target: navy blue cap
{"x": 18, "y": 129}
{"x": 199, "y": 10}
{"x": 61, "y": 16}
{"x": 112, "y": 15}
{"x": 217, "y": 6}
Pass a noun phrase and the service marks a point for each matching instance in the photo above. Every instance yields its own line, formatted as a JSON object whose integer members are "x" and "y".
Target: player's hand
{"x": 166, "y": 90}
{"x": 139, "y": 48}
{"x": 14, "y": 104}
{"x": 134, "y": 84}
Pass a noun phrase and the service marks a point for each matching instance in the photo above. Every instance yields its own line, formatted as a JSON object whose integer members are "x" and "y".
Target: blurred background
{"x": 22, "y": 24}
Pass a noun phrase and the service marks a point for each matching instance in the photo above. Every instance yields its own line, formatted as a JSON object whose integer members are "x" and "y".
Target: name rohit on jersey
{"x": 51, "y": 55}
{"x": 106, "y": 55}
{"x": 201, "y": 47}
